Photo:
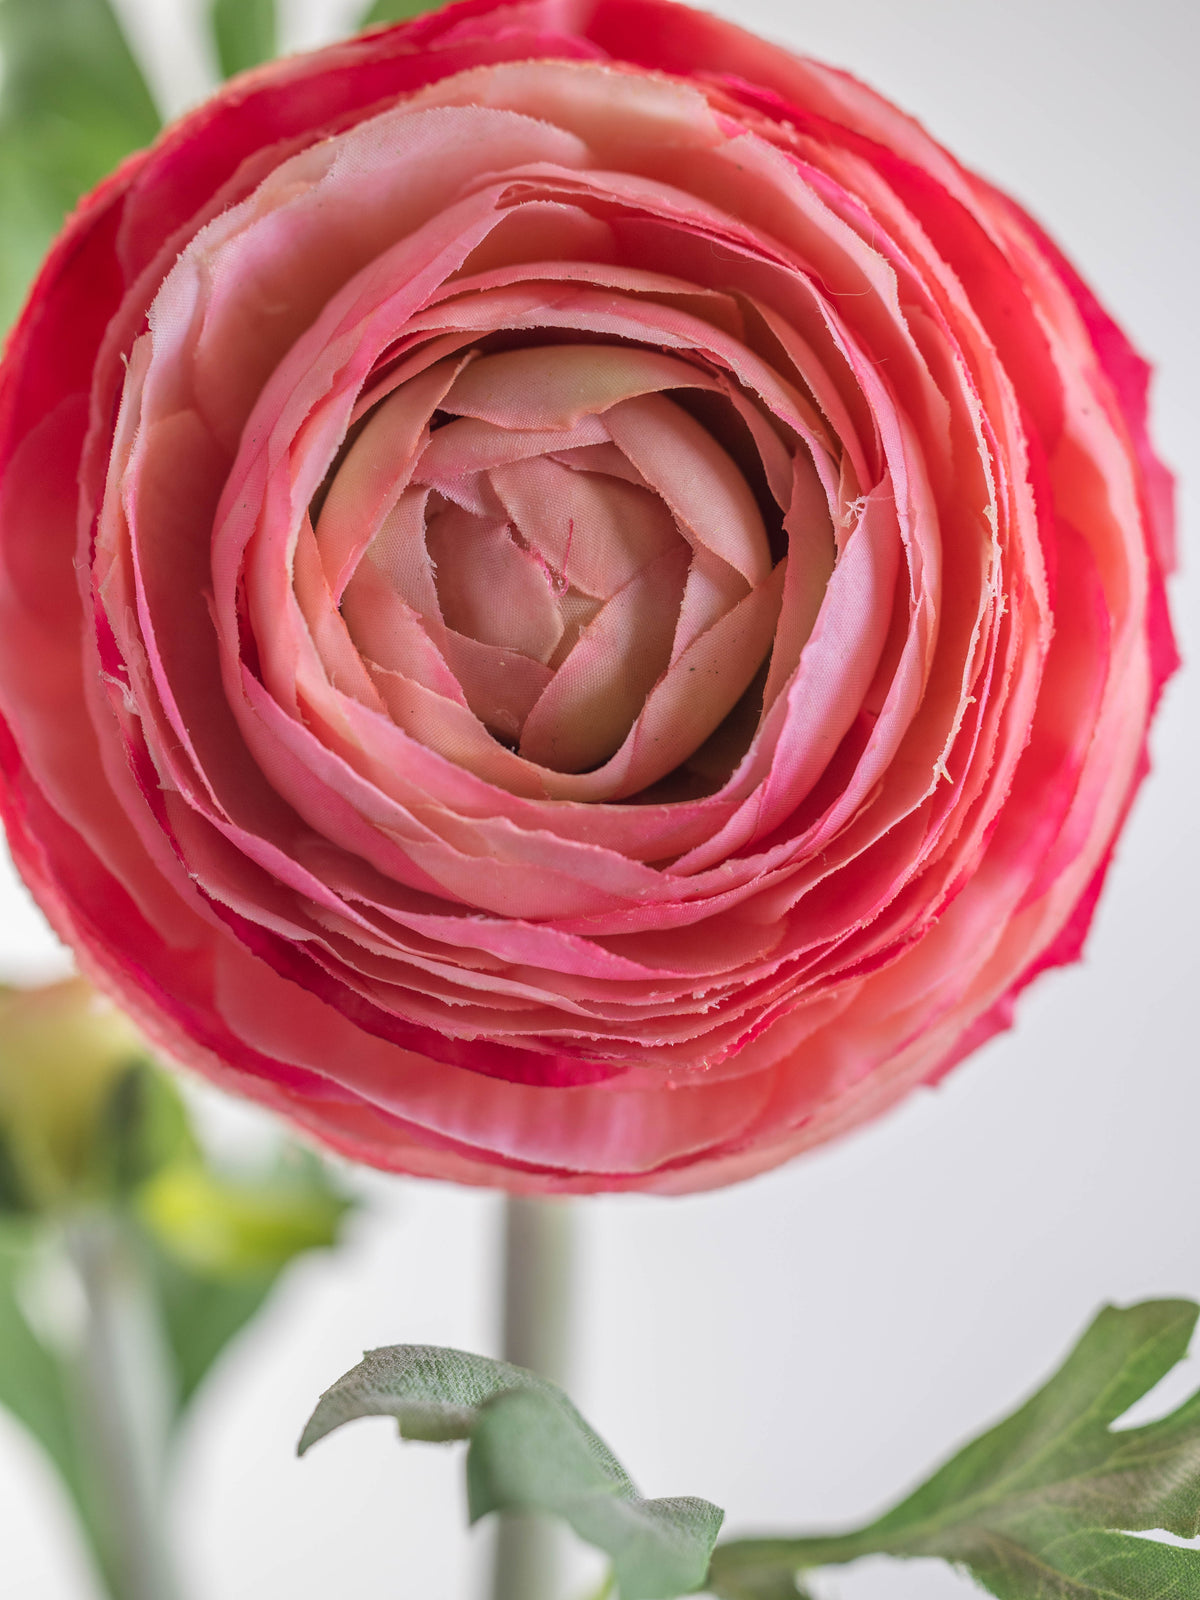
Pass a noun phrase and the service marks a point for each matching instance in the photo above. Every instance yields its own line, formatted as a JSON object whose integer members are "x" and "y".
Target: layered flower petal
{"x": 579, "y": 605}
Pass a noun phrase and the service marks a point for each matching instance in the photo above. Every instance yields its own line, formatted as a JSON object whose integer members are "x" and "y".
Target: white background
{"x": 801, "y": 1348}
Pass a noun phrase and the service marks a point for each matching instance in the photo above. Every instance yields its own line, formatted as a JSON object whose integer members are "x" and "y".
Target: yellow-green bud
{"x": 63, "y": 1048}
{"x": 224, "y": 1227}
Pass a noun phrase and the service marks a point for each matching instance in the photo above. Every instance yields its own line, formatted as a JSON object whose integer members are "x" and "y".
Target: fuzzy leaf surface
{"x": 529, "y": 1450}
{"x": 1047, "y": 1504}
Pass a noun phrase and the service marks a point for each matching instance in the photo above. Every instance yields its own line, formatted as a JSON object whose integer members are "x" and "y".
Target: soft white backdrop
{"x": 801, "y": 1348}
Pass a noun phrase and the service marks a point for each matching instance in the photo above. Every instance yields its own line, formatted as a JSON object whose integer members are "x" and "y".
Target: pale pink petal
{"x": 500, "y": 685}
{"x": 491, "y": 589}
{"x": 652, "y": 307}
{"x": 376, "y": 471}
{"x": 400, "y": 554}
{"x": 837, "y": 663}
{"x": 392, "y": 635}
{"x": 605, "y": 458}
{"x": 541, "y": 231}
{"x": 406, "y": 358}
{"x": 620, "y": 114}
{"x": 466, "y": 447}
{"x": 589, "y": 706}
{"x": 555, "y": 386}
{"x": 332, "y": 636}
{"x": 704, "y": 489}
{"x": 704, "y": 684}
{"x": 274, "y": 261}
{"x": 811, "y": 555}
{"x": 593, "y": 532}
{"x": 713, "y": 588}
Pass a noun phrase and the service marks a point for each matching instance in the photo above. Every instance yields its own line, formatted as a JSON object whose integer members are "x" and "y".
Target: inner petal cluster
{"x": 540, "y": 535}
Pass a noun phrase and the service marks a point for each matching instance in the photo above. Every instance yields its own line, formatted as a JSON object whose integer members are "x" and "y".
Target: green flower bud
{"x": 225, "y": 1227}
{"x": 63, "y": 1052}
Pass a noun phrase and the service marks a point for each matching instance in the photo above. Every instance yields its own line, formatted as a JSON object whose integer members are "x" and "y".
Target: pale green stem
{"x": 121, "y": 1415}
{"x": 537, "y": 1335}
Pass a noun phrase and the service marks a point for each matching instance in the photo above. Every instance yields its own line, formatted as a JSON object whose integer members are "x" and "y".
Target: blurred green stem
{"x": 537, "y": 1335}
{"x": 121, "y": 1413}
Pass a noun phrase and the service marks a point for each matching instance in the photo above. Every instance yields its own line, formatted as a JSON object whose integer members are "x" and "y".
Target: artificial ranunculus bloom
{"x": 580, "y": 603}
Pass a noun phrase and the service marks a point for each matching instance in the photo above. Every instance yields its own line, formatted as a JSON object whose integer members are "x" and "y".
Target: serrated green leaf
{"x": 396, "y": 11}
{"x": 1046, "y": 1505}
{"x": 530, "y": 1450}
{"x": 72, "y": 105}
{"x": 244, "y": 32}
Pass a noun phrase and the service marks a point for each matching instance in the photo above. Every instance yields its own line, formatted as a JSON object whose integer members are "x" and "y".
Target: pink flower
{"x": 580, "y": 604}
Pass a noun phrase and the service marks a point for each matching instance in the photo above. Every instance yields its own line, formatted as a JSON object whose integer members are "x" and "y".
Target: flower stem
{"x": 537, "y": 1335}
{"x": 120, "y": 1420}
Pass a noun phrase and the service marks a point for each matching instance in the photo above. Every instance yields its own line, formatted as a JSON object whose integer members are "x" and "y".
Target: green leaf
{"x": 73, "y": 104}
{"x": 216, "y": 1245}
{"x": 31, "y": 216}
{"x": 1046, "y": 1505}
{"x": 396, "y": 11}
{"x": 143, "y": 1127}
{"x": 244, "y": 32}
{"x": 200, "y": 1317}
{"x": 530, "y": 1450}
{"x": 13, "y": 1193}
{"x": 39, "y": 1388}
{"x": 761, "y": 1583}
{"x": 32, "y": 1381}
{"x": 241, "y": 1228}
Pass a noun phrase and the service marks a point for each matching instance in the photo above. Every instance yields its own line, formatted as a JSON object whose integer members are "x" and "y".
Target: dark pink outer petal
{"x": 89, "y": 831}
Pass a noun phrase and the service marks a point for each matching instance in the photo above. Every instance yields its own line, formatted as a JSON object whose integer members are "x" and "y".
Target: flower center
{"x": 558, "y": 538}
